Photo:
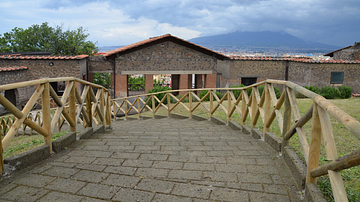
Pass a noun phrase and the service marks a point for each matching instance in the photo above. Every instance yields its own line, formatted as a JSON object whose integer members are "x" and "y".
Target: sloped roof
{"x": 15, "y": 68}
{"x": 156, "y": 40}
{"x": 295, "y": 59}
{"x": 331, "y": 54}
{"x": 18, "y": 56}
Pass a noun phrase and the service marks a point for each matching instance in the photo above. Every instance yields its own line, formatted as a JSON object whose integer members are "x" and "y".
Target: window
{"x": 337, "y": 77}
{"x": 247, "y": 81}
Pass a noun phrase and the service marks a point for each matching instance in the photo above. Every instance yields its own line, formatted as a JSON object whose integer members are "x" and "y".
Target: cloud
{"x": 123, "y": 22}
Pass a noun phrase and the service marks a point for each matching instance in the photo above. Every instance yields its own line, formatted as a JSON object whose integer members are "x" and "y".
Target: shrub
{"x": 345, "y": 92}
{"x": 314, "y": 89}
{"x": 249, "y": 90}
{"x": 203, "y": 93}
{"x": 329, "y": 92}
{"x": 160, "y": 96}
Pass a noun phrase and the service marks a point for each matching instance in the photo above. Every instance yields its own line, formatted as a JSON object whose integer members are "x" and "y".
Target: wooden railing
{"x": 71, "y": 108}
{"x": 267, "y": 108}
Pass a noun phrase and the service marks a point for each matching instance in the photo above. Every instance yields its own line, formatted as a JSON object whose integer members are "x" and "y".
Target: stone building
{"x": 348, "y": 53}
{"x": 18, "y": 68}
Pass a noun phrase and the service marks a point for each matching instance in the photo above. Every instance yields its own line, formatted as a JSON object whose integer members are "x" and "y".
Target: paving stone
{"x": 60, "y": 172}
{"x": 99, "y": 191}
{"x": 230, "y": 168}
{"x": 122, "y": 148}
{"x": 108, "y": 161}
{"x": 172, "y": 198}
{"x": 262, "y": 169}
{"x": 7, "y": 188}
{"x": 152, "y": 172}
{"x": 153, "y": 157}
{"x": 240, "y": 160}
{"x": 130, "y": 195}
{"x": 254, "y": 178}
{"x": 155, "y": 186}
{"x": 121, "y": 180}
{"x": 220, "y": 153}
{"x": 138, "y": 163}
{"x": 275, "y": 189}
{"x": 95, "y": 148}
{"x": 182, "y": 158}
{"x": 90, "y": 176}
{"x": 87, "y": 199}
{"x": 246, "y": 186}
{"x": 229, "y": 195}
{"x": 196, "y": 191}
{"x": 185, "y": 174}
{"x": 193, "y": 153}
{"x": 168, "y": 165}
{"x": 65, "y": 185}
{"x": 24, "y": 193}
{"x": 128, "y": 155}
{"x": 91, "y": 167}
{"x": 199, "y": 166}
{"x": 116, "y": 142}
{"x": 211, "y": 160}
{"x": 120, "y": 170}
{"x": 216, "y": 176}
{"x": 62, "y": 164}
{"x": 78, "y": 159}
{"x": 259, "y": 197}
{"x": 57, "y": 196}
{"x": 34, "y": 180}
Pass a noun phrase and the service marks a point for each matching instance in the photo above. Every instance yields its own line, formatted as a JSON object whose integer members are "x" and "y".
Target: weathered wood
{"x": 236, "y": 104}
{"x": 89, "y": 107}
{"x": 337, "y": 186}
{"x": 61, "y": 108}
{"x": 293, "y": 104}
{"x": 229, "y": 107}
{"x": 72, "y": 107}
{"x": 108, "y": 108}
{"x": 46, "y": 114}
{"x": 304, "y": 143}
{"x": 190, "y": 105}
{"x": 303, "y": 120}
{"x": 314, "y": 152}
{"x": 254, "y": 107}
{"x": 200, "y": 101}
{"x": 245, "y": 109}
{"x": 345, "y": 119}
{"x": 342, "y": 163}
{"x": 267, "y": 108}
{"x": 55, "y": 97}
{"x": 211, "y": 104}
{"x": 328, "y": 135}
{"x": 219, "y": 104}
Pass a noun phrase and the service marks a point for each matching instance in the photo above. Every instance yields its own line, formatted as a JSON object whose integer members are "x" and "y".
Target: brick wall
{"x": 97, "y": 64}
{"x": 149, "y": 82}
{"x": 210, "y": 80}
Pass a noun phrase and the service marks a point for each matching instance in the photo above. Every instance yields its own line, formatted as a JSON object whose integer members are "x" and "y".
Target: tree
{"x": 49, "y": 39}
{"x": 103, "y": 79}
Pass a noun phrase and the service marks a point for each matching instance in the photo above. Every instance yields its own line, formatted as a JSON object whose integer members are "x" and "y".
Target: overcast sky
{"x": 335, "y": 22}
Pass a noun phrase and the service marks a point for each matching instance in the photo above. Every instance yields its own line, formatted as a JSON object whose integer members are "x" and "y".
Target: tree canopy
{"x": 38, "y": 38}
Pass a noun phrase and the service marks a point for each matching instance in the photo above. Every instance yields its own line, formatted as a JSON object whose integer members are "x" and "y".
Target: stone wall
{"x": 166, "y": 56}
{"x": 319, "y": 74}
{"x": 98, "y": 64}
{"x": 352, "y": 53}
{"x": 262, "y": 70}
{"x": 40, "y": 68}
{"x": 7, "y": 77}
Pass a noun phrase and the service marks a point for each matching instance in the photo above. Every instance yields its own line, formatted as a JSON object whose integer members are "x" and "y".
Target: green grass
{"x": 345, "y": 141}
{"x": 25, "y": 143}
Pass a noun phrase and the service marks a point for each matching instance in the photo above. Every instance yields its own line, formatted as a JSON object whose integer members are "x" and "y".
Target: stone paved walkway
{"x": 158, "y": 160}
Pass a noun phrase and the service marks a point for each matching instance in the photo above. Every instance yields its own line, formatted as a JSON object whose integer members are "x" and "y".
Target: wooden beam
{"x": 46, "y": 114}
{"x": 314, "y": 152}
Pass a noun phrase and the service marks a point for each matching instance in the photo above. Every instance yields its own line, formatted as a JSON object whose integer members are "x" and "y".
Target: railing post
{"x": 253, "y": 107}
{"x": 211, "y": 103}
{"x": 286, "y": 120}
{"x": 169, "y": 103}
{"x": 153, "y": 104}
{"x": 126, "y": 108}
{"x": 46, "y": 114}
{"x": 229, "y": 107}
{"x": 108, "y": 110}
{"x": 72, "y": 107}
{"x": 139, "y": 108}
{"x": 315, "y": 142}
{"x": 89, "y": 107}
{"x": 102, "y": 104}
{"x": 1, "y": 156}
{"x": 267, "y": 108}
{"x": 190, "y": 104}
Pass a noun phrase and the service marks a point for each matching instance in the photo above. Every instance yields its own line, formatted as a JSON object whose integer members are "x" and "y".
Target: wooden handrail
{"x": 267, "y": 107}
{"x": 66, "y": 109}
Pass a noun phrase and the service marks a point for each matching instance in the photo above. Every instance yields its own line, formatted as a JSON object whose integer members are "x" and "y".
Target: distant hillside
{"x": 261, "y": 41}
{"x": 108, "y": 48}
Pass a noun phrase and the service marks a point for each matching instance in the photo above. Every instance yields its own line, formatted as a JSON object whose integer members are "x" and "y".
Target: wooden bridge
{"x": 171, "y": 159}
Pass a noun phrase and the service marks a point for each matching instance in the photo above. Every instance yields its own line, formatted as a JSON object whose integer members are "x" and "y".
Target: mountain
{"x": 261, "y": 41}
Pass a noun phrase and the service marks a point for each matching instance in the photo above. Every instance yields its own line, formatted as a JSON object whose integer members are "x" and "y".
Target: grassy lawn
{"x": 345, "y": 141}
{"x": 25, "y": 143}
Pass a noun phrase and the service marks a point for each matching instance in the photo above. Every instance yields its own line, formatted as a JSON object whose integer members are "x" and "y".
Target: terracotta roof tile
{"x": 304, "y": 59}
{"x": 15, "y": 68}
{"x": 18, "y": 56}
{"x": 166, "y": 36}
